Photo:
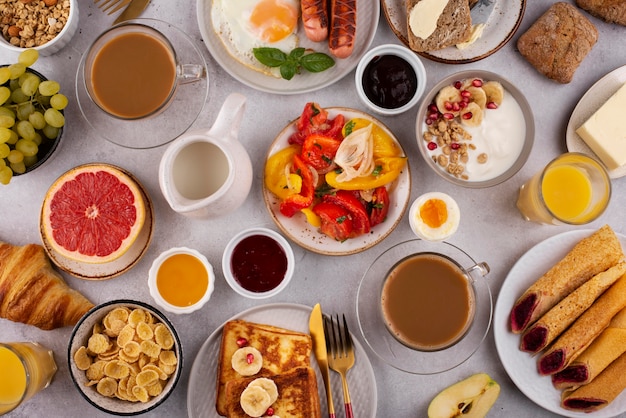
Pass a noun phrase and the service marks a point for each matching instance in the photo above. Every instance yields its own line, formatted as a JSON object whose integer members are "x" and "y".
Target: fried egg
{"x": 246, "y": 24}
{"x": 434, "y": 216}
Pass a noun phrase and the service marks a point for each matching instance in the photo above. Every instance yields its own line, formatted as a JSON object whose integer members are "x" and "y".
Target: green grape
{"x": 30, "y": 84}
{"x": 5, "y": 75}
{"x": 4, "y": 151}
{"x": 5, "y": 93}
{"x": 38, "y": 138}
{"x": 18, "y": 96}
{"x": 18, "y": 168}
{"x": 50, "y": 132}
{"x": 3, "y": 162}
{"x": 6, "y": 121}
{"x": 44, "y": 101}
{"x": 5, "y": 175}
{"x": 16, "y": 70}
{"x": 27, "y": 147}
{"x": 36, "y": 119}
{"x": 26, "y": 130}
{"x": 49, "y": 87}
{"x": 15, "y": 156}
{"x": 5, "y": 135}
{"x": 24, "y": 110}
{"x": 28, "y": 57}
{"x": 30, "y": 161}
{"x": 54, "y": 118}
{"x": 58, "y": 101}
{"x": 5, "y": 111}
{"x": 13, "y": 139}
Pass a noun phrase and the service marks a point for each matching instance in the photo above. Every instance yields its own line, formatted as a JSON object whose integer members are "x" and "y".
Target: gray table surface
{"x": 491, "y": 229}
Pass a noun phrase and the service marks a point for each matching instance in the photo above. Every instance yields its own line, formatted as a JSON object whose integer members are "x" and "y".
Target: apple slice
{"x": 469, "y": 398}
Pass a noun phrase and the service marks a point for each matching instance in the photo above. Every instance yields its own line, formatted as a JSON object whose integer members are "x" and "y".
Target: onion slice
{"x": 355, "y": 155}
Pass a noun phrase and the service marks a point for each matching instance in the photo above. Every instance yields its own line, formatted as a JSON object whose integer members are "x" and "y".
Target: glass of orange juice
{"x": 572, "y": 189}
{"x": 25, "y": 369}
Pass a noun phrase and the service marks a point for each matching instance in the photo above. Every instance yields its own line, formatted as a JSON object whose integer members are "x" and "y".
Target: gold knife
{"x": 134, "y": 9}
{"x": 316, "y": 328}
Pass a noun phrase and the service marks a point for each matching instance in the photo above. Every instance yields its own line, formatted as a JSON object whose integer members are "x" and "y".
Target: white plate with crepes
{"x": 500, "y": 27}
{"x": 203, "y": 375}
{"x": 309, "y": 237}
{"x": 587, "y": 106}
{"x": 368, "y": 12}
{"x": 522, "y": 366}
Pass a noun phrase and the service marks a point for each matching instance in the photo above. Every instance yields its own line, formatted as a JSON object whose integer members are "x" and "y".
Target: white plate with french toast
{"x": 588, "y": 104}
{"x": 500, "y": 27}
{"x": 367, "y": 17}
{"x": 201, "y": 395}
{"x": 522, "y": 366}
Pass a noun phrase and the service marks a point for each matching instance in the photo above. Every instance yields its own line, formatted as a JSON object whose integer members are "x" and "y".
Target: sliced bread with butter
{"x": 432, "y": 26}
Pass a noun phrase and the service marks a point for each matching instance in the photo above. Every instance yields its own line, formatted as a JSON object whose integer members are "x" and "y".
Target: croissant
{"x": 33, "y": 293}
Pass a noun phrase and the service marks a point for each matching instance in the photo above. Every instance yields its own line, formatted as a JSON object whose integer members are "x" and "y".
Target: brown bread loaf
{"x": 612, "y": 11}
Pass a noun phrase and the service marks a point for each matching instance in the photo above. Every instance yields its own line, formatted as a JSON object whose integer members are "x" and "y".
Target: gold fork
{"x": 341, "y": 354}
{"x": 113, "y": 5}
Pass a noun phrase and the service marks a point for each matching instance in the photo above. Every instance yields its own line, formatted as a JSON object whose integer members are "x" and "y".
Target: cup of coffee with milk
{"x": 132, "y": 72}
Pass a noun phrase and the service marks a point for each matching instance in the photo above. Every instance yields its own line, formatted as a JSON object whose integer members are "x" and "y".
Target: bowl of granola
{"x": 45, "y": 25}
{"x": 475, "y": 129}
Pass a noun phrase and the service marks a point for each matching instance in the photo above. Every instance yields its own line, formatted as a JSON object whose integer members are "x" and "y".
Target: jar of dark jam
{"x": 389, "y": 81}
{"x": 258, "y": 263}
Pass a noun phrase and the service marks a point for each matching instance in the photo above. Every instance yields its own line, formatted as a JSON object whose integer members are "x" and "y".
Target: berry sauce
{"x": 258, "y": 263}
{"x": 389, "y": 81}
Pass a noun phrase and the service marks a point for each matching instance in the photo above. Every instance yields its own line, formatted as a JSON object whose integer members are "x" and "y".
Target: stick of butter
{"x": 605, "y": 132}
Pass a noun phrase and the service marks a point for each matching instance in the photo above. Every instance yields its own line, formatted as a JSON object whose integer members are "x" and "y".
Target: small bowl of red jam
{"x": 258, "y": 263}
{"x": 390, "y": 79}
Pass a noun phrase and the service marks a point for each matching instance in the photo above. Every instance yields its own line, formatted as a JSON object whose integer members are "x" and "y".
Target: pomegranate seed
{"x": 455, "y": 145}
{"x": 465, "y": 99}
{"x": 269, "y": 412}
{"x": 250, "y": 358}
{"x": 429, "y": 122}
{"x": 492, "y": 105}
{"x": 463, "y": 104}
{"x": 477, "y": 82}
{"x": 447, "y": 105}
{"x": 433, "y": 108}
{"x": 433, "y": 116}
{"x": 466, "y": 93}
{"x": 467, "y": 115}
{"x": 448, "y": 116}
{"x": 458, "y": 85}
{"x": 432, "y": 146}
{"x": 456, "y": 107}
{"x": 242, "y": 342}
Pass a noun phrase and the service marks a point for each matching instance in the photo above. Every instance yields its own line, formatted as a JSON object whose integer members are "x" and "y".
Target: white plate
{"x": 588, "y": 104}
{"x": 202, "y": 379}
{"x": 309, "y": 237}
{"x": 502, "y": 24}
{"x": 367, "y": 21}
{"x": 521, "y": 366}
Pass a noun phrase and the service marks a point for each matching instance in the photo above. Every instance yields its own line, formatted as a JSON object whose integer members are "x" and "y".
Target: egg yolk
{"x": 182, "y": 280}
{"x": 434, "y": 212}
{"x": 273, "y": 20}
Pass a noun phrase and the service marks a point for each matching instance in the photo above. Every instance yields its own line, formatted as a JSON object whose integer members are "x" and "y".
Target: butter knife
{"x": 134, "y": 9}
{"x": 316, "y": 328}
{"x": 481, "y": 11}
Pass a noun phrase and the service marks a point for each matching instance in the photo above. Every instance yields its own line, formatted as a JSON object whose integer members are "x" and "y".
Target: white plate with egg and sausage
{"x": 366, "y": 23}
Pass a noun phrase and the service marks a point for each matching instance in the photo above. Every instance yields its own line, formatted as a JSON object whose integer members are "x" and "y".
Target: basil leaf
{"x": 288, "y": 69}
{"x": 272, "y": 57}
{"x": 297, "y": 53}
{"x": 316, "y": 62}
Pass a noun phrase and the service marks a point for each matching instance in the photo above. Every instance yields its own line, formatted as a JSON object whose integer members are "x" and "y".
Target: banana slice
{"x": 478, "y": 96}
{"x": 494, "y": 92}
{"x": 269, "y": 386}
{"x": 448, "y": 95}
{"x": 247, "y": 361}
{"x": 254, "y": 401}
{"x": 472, "y": 115}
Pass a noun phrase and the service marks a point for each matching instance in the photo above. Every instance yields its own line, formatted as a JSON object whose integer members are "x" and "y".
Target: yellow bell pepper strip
{"x": 297, "y": 201}
{"x": 386, "y": 170}
{"x": 275, "y": 178}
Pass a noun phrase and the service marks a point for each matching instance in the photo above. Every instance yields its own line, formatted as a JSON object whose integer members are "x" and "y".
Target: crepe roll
{"x": 584, "y": 330}
{"x": 561, "y": 316}
{"x": 592, "y": 255}
{"x": 600, "y": 392}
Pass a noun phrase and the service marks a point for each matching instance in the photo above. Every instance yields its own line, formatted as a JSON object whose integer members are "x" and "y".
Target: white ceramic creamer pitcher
{"x": 207, "y": 174}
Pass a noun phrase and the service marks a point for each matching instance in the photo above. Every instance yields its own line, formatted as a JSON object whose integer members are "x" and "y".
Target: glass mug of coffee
{"x": 428, "y": 301}
{"x": 131, "y": 71}
{"x": 26, "y": 368}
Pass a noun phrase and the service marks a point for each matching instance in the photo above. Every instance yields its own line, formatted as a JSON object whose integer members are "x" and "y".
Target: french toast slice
{"x": 280, "y": 348}
{"x": 297, "y": 395}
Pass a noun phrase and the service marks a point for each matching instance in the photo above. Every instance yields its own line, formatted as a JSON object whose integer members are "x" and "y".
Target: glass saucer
{"x": 164, "y": 127}
{"x": 392, "y": 351}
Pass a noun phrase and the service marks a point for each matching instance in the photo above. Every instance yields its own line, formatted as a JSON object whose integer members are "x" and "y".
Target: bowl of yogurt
{"x": 475, "y": 129}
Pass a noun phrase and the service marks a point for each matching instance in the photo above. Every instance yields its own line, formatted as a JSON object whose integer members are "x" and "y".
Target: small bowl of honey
{"x": 258, "y": 263}
{"x": 181, "y": 280}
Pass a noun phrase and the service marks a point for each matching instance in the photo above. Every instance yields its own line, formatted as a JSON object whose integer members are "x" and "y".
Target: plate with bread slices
{"x": 522, "y": 352}
{"x": 456, "y": 39}
{"x": 231, "y": 30}
{"x": 269, "y": 346}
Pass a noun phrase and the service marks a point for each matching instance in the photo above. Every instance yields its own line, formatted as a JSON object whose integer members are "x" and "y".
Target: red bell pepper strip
{"x": 335, "y": 221}
{"x": 295, "y": 202}
{"x": 358, "y": 214}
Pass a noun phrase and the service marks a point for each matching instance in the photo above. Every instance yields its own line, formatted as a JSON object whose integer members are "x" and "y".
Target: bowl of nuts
{"x": 475, "y": 129}
{"x": 45, "y": 25}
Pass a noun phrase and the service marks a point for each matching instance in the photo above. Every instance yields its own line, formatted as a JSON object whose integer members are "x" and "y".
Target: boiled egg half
{"x": 434, "y": 216}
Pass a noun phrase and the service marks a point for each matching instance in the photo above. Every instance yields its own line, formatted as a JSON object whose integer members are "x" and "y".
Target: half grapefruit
{"x": 93, "y": 213}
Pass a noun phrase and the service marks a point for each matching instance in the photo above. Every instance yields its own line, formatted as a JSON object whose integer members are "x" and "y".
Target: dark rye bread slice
{"x": 453, "y": 27}
{"x": 612, "y": 11}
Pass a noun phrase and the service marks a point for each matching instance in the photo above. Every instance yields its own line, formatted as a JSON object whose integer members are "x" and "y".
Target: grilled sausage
{"x": 342, "y": 33}
{"x": 315, "y": 19}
